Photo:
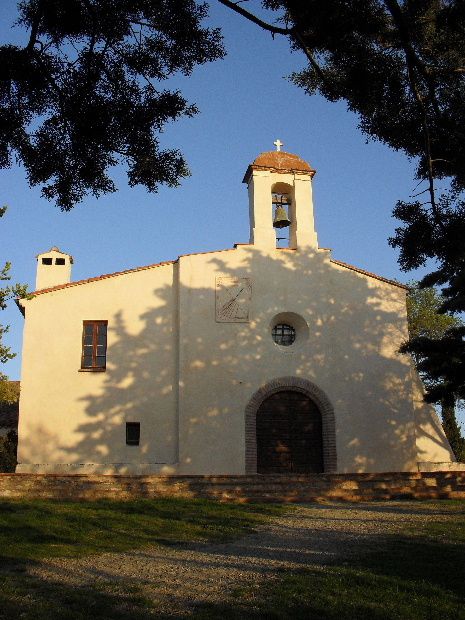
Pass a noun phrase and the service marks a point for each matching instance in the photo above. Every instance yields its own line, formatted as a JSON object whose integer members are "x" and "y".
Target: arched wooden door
{"x": 289, "y": 435}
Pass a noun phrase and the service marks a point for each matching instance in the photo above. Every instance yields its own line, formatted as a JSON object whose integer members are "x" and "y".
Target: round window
{"x": 283, "y": 334}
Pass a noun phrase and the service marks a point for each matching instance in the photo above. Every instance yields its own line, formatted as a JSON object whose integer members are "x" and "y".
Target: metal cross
{"x": 278, "y": 144}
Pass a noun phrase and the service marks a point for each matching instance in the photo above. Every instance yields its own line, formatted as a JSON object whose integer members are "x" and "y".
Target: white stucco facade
{"x": 190, "y": 355}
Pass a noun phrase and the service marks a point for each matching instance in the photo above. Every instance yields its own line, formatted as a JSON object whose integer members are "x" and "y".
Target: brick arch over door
{"x": 315, "y": 394}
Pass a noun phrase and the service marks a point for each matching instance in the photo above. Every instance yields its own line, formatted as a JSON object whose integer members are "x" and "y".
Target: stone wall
{"x": 275, "y": 488}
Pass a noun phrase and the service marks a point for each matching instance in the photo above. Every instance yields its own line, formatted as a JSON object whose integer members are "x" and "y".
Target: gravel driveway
{"x": 181, "y": 577}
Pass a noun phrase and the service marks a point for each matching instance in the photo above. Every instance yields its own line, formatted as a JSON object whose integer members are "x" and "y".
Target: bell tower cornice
{"x": 279, "y": 162}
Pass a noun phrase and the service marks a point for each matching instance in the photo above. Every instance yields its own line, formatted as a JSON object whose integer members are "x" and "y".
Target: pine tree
{"x": 429, "y": 327}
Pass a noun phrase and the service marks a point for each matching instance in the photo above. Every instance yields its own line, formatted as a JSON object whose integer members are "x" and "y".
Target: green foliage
{"x": 423, "y": 313}
{"x": 9, "y": 403}
{"x": 6, "y": 294}
{"x": 9, "y": 395}
{"x": 443, "y": 363}
{"x": 436, "y": 344}
{"x": 440, "y": 358}
{"x": 38, "y": 529}
{"x": 8, "y": 448}
{"x": 452, "y": 430}
{"x": 84, "y": 93}
{"x": 429, "y": 330}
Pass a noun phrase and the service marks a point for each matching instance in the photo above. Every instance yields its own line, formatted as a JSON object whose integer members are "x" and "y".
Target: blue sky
{"x": 245, "y": 103}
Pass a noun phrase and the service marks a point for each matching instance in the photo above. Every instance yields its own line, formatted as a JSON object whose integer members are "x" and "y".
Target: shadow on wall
{"x": 355, "y": 328}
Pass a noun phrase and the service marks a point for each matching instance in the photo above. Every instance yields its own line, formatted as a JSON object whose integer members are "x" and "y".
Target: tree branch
{"x": 415, "y": 61}
{"x": 289, "y": 32}
{"x": 308, "y": 53}
{"x": 256, "y": 20}
{"x": 35, "y": 26}
{"x": 412, "y": 64}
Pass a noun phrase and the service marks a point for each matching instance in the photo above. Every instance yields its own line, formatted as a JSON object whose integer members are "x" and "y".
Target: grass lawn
{"x": 32, "y": 531}
{"x": 416, "y": 574}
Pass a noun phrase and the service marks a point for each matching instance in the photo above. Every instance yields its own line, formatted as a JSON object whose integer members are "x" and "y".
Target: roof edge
{"x": 172, "y": 262}
{"x": 105, "y": 276}
{"x": 369, "y": 274}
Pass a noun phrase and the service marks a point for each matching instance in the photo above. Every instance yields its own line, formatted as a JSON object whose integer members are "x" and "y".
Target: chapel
{"x": 269, "y": 357}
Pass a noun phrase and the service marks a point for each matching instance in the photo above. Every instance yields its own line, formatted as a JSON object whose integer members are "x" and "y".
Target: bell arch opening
{"x": 282, "y": 200}
{"x": 317, "y": 397}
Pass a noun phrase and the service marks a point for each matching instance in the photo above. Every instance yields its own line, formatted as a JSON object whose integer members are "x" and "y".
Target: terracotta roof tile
{"x": 282, "y": 161}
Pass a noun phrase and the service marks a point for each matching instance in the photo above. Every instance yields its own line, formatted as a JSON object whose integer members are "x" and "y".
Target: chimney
{"x": 53, "y": 268}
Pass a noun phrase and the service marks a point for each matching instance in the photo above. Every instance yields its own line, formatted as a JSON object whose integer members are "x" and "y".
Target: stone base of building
{"x": 256, "y": 488}
{"x": 174, "y": 469}
{"x": 449, "y": 466}
{"x": 126, "y": 469}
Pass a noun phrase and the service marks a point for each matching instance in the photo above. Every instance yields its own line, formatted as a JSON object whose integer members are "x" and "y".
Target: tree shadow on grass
{"x": 405, "y": 577}
{"x": 441, "y": 564}
{"x": 29, "y": 597}
{"x": 31, "y": 530}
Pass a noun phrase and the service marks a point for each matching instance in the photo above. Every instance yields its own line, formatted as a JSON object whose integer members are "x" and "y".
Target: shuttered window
{"x": 94, "y": 345}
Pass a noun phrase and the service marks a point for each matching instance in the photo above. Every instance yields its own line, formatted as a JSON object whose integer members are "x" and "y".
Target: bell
{"x": 280, "y": 218}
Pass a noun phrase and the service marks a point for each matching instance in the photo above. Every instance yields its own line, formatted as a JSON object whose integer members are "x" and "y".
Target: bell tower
{"x": 280, "y": 195}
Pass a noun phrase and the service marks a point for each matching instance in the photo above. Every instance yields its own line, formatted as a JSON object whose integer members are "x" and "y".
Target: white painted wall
{"x": 155, "y": 348}
{"x": 73, "y": 417}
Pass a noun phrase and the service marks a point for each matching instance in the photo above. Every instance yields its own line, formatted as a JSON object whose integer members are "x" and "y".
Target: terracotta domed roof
{"x": 279, "y": 161}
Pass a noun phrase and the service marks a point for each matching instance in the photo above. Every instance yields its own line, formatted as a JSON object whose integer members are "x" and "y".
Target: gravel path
{"x": 178, "y": 578}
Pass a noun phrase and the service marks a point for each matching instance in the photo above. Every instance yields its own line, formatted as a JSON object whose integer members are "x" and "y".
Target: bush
{"x": 8, "y": 446}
